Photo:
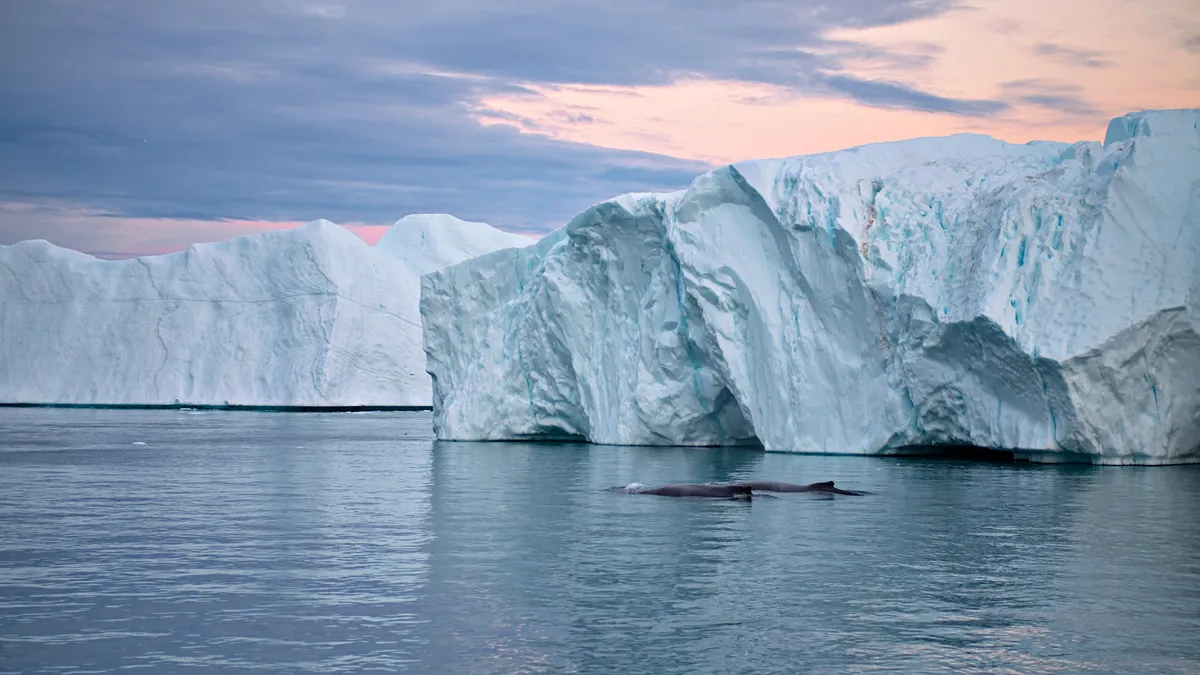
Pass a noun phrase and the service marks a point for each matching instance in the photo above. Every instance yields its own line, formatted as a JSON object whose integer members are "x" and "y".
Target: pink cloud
{"x": 369, "y": 233}
{"x": 114, "y": 237}
{"x": 1044, "y": 65}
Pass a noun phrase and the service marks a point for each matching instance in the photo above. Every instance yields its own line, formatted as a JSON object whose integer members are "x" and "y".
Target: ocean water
{"x": 231, "y": 542}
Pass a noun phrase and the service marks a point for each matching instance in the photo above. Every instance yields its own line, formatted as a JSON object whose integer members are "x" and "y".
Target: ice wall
{"x": 312, "y": 316}
{"x": 1040, "y": 298}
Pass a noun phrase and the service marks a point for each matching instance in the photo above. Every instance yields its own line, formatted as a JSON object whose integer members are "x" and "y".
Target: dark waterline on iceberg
{"x": 226, "y": 407}
{"x": 207, "y": 542}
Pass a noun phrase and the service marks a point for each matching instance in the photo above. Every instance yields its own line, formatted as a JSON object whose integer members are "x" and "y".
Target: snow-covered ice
{"x": 311, "y": 316}
{"x": 1041, "y": 298}
{"x": 428, "y": 242}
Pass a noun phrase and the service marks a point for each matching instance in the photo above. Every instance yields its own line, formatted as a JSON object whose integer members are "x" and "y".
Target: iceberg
{"x": 959, "y": 291}
{"x": 311, "y": 316}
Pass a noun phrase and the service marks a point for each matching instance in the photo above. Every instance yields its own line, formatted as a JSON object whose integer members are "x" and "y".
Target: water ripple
{"x": 241, "y": 541}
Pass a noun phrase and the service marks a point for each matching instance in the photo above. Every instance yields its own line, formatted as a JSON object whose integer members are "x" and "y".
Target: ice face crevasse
{"x": 1040, "y": 298}
{"x": 312, "y": 316}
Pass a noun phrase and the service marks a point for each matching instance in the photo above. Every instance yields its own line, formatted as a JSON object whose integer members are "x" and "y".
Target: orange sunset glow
{"x": 1105, "y": 58}
{"x": 521, "y": 115}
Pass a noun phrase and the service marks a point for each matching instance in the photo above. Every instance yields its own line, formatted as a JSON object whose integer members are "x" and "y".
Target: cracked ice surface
{"x": 312, "y": 316}
{"x": 1040, "y": 298}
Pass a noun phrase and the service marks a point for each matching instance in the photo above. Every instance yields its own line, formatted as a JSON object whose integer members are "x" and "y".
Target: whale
{"x": 775, "y": 486}
{"x": 691, "y": 490}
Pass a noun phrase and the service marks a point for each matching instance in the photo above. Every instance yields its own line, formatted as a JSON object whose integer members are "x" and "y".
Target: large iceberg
{"x": 311, "y": 316}
{"x": 1038, "y": 298}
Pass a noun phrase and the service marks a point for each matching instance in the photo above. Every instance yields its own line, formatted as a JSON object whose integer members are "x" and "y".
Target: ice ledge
{"x": 1152, "y": 123}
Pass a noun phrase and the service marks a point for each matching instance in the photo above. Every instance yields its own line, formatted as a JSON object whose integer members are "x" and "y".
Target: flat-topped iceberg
{"x": 1039, "y": 298}
{"x": 311, "y": 316}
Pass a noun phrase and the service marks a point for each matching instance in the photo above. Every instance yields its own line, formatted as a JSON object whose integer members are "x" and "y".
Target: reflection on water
{"x": 238, "y": 541}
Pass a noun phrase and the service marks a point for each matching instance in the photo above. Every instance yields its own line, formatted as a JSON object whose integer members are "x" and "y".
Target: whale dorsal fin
{"x": 827, "y": 483}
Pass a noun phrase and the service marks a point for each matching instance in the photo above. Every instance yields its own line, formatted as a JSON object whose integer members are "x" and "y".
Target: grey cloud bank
{"x": 359, "y": 111}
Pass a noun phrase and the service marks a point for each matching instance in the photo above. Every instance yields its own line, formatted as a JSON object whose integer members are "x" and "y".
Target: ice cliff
{"x": 312, "y": 316}
{"x": 1041, "y": 298}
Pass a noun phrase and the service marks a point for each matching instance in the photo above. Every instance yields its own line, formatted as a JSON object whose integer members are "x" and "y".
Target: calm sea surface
{"x": 226, "y": 542}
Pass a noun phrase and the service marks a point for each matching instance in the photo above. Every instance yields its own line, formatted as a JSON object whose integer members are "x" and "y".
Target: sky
{"x": 133, "y": 127}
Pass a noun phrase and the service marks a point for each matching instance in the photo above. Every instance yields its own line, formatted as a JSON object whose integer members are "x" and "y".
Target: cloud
{"x": 909, "y": 56}
{"x": 894, "y": 95}
{"x": 1088, "y": 58}
{"x": 1008, "y": 25}
{"x": 573, "y": 117}
{"x": 289, "y": 110}
{"x": 1063, "y": 98}
{"x": 107, "y": 235}
{"x": 1192, "y": 44}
